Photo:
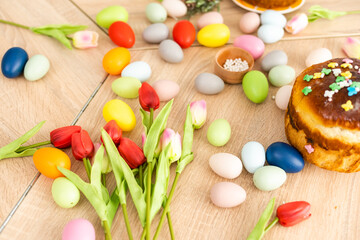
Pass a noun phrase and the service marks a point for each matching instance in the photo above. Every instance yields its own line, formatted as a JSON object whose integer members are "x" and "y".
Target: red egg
{"x": 184, "y": 33}
{"x": 122, "y": 34}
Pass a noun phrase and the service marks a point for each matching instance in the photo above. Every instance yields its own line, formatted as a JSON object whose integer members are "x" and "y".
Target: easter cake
{"x": 271, "y": 3}
{"x": 323, "y": 119}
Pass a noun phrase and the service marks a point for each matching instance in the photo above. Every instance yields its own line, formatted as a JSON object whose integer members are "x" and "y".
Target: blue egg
{"x": 13, "y": 62}
{"x": 285, "y": 156}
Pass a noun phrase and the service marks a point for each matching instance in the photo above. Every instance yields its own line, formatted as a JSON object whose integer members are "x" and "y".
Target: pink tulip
{"x": 85, "y": 39}
{"x": 297, "y": 23}
{"x": 198, "y": 113}
{"x": 352, "y": 47}
{"x": 170, "y": 137}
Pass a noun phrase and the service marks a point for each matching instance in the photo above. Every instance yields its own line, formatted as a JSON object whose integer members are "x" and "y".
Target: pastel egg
{"x": 226, "y": 165}
{"x": 120, "y": 112}
{"x": 281, "y": 75}
{"x": 254, "y": 45}
{"x": 208, "y": 83}
{"x": 170, "y": 51}
{"x": 78, "y": 229}
{"x": 209, "y": 18}
{"x": 156, "y": 13}
{"x": 284, "y": 156}
{"x": 269, "y": 178}
{"x": 273, "y": 17}
{"x": 111, "y": 14}
{"x": 213, "y": 35}
{"x": 282, "y": 97}
{"x": 139, "y": 69}
{"x": 65, "y": 193}
{"x": 253, "y": 156}
{"x": 155, "y": 33}
{"x": 166, "y": 89}
{"x": 249, "y": 22}
{"x": 318, "y": 56}
{"x": 36, "y": 67}
{"x": 273, "y": 59}
{"x": 175, "y": 8}
{"x": 219, "y": 132}
{"x": 227, "y": 194}
{"x": 255, "y": 86}
{"x": 270, "y": 33}
{"x": 13, "y": 62}
{"x": 126, "y": 87}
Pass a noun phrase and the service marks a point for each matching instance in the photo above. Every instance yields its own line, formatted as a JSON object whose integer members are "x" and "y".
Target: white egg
{"x": 318, "y": 56}
{"x": 269, "y": 178}
{"x": 139, "y": 69}
{"x": 273, "y": 17}
{"x": 175, "y": 8}
{"x": 283, "y": 96}
{"x": 270, "y": 33}
{"x": 226, "y": 165}
{"x": 227, "y": 194}
{"x": 253, "y": 156}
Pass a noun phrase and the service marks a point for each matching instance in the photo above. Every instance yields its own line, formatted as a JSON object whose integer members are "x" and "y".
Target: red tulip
{"x": 148, "y": 97}
{"x": 61, "y": 137}
{"x": 292, "y": 213}
{"x": 82, "y": 146}
{"x": 131, "y": 153}
{"x": 114, "y": 131}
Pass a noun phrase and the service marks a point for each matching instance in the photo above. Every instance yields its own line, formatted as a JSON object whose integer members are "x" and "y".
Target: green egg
{"x": 111, "y": 14}
{"x": 126, "y": 87}
{"x": 65, "y": 193}
{"x": 36, "y": 67}
{"x": 156, "y": 13}
{"x": 219, "y": 132}
{"x": 281, "y": 75}
{"x": 255, "y": 86}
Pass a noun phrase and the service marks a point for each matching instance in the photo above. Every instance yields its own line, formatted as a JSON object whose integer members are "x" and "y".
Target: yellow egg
{"x": 120, "y": 112}
{"x": 214, "y": 35}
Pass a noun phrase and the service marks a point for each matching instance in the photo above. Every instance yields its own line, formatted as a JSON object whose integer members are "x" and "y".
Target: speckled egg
{"x": 249, "y": 22}
{"x": 226, "y": 165}
{"x": 227, "y": 194}
{"x": 166, "y": 89}
{"x": 273, "y": 59}
{"x": 139, "y": 69}
{"x": 208, "y": 83}
{"x": 281, "y": 75}
{"x": 36, "y": 67}
{"x": 170, "y": 51}
{"x": 209, "y": 18}
{"x": 318, "y": 55}
{"x": 155, "y": 33}
{"x": 282, "y": 97}
{"x": 269, "y": 178}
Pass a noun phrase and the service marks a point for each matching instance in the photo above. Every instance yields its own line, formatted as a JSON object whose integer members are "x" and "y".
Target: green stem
{"x": 148, "y": 199}
{"x": 87, "y": 166}
{"x": 143, "y": 234}
{"x": 170, "y": 226}
{"x": 353, "y": 12}
{"x": 20, "y": 149}
{"x": 151, "y": 117}
{"x": 103, "y": 179}
{"x": 141, "y": 171}
{"x": 107, "y": 230}
{"x": 14, "y": 24}
{"x": 271, "y": 225}
{"x": 166, "y": 209}
{"x": 126, "y": 218}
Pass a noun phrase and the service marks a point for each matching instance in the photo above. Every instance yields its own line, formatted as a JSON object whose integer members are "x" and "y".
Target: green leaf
{"x": 122, "y": 192}
{"x": 317, "y": 12}
{"x": 112, "y": 206}
{"x": 259, "y": 229}
{"x": 161, "y": 182}
{"x": 122, "y": 171}
{"x": 14, "y": 145}
{"x": 155, "y": 131}
{"x": 188, "y": 135}
{"x": 96, "y": 169}
{"x": 183, "y": 162}
{"x": 145, "y": 119}
{"x": 25, "y": 153}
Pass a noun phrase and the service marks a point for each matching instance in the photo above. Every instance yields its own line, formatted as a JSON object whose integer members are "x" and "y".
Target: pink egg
{"x": 79, "y": 229}
{"x": 166, "y": 89}
{"x": 249, "y": 22}
{"x": 209, "y": 18}
{"x": 283, "y": 96}
{"x": 254, "y": 45}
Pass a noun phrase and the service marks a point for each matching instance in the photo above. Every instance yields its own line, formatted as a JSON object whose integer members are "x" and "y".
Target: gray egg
{"x": 155, "y": 33}
{"x": 170, "y": 51}
{"x": 273, "y": 59}
{"x": 208, "y": 83}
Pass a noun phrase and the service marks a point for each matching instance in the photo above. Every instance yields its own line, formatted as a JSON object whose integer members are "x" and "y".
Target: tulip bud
{"x": 198, "y": 113}
{"x": 148, "y": 97}
{"x": 352, "y": 47}
{"x": 105, "y": 166}
{"x": 114, "y": 131}
{"x": 297, "y": 23}
{"x": 292, "y": 213}
{"x": 61, "y": 137}
{"x": 85, "y": 39}
{"x": 170, "y": 137}
{"x": 82, "y": 146}
{"x": 131, "y": 153}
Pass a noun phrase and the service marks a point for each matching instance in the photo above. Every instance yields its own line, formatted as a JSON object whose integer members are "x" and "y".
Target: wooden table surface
{"x": 63, "y": 97}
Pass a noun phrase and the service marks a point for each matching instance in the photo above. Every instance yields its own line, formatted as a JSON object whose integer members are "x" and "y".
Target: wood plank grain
{"x": 57, "y": 98}
{"x": 232, "y": 14}
{"x": 334, "y": 196}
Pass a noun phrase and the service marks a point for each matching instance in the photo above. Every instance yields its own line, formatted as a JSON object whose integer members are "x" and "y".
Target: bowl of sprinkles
{"x": 232, "y": 63}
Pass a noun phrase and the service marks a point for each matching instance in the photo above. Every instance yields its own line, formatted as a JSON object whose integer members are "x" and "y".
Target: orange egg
{"x": 116, "y": 60}
{"x": 47, "y": 159}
